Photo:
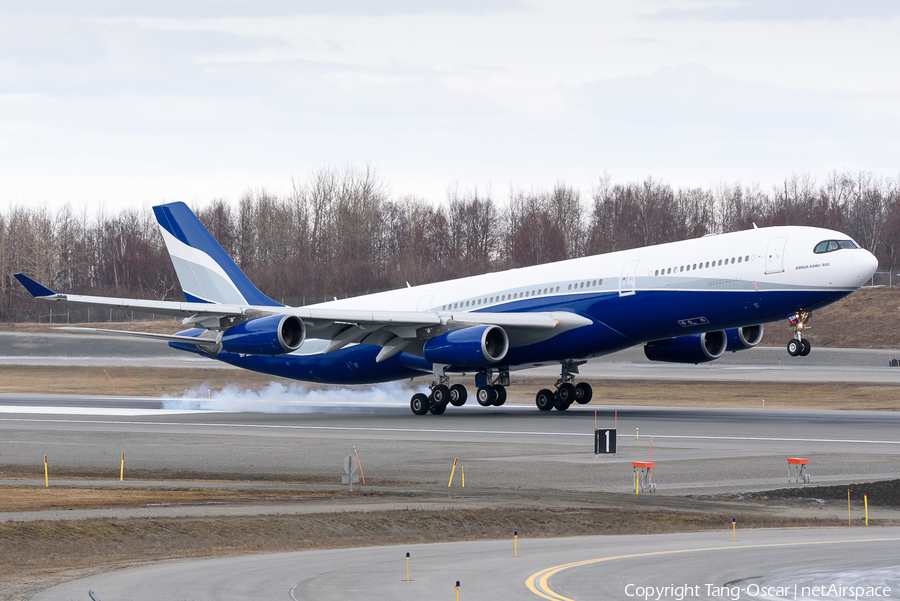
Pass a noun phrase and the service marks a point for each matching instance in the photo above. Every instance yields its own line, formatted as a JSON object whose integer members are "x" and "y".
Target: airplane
{"x": 686, "y": 302}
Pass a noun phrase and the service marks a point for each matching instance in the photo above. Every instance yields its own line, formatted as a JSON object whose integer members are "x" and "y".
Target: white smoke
{"x": 295, "y": 398}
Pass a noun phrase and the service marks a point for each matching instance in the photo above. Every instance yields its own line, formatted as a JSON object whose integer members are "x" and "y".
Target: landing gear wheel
{"x": 583, "y": 393}
{"x": 419, "y": 404}
{"x": 794, "y": 347}
{"x": 438, "y": 409}
{"x": 458, "y": 395}
{"x": 544, "y": 400}
{"x": 806, "y": 347}
{"x": 486, "y": 396}
{"x": 565, "y": 393}
{"x": 440, "y": 395}
{"x": 501, "y": 395}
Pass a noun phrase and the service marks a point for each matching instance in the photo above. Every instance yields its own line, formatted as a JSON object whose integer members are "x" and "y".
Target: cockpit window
{"x": 827, "y": 246}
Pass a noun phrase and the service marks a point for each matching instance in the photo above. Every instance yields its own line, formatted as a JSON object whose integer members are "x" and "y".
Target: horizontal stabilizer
{"x": 166, "y": 337}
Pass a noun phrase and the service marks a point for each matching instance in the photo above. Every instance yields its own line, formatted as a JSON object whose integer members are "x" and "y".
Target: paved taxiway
{"x": 579, "y": 569}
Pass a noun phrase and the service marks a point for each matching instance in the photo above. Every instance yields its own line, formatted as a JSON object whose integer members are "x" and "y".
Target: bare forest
{"x": 341, "y": 233}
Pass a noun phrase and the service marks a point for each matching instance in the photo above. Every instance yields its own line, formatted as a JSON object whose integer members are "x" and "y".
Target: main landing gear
{"x": 441, "y": 395}
{"x": 493, "y": 393}
{"x": 799, "y": 345}
{"x": 566, "y": 392}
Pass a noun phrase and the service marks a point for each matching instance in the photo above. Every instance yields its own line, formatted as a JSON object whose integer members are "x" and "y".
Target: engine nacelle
{"x": 743, "y": 338}
{"x": 469, "y": 347}
{"x": 272, "y": 335}
{"x": 695, "y": 348}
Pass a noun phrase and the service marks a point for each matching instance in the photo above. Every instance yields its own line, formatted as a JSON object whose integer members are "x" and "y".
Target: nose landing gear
{"x": 799, "y": 345}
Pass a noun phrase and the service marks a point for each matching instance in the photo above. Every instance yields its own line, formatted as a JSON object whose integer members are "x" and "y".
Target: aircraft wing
{"x": 173, "y": 308}
{"x": 393, "y": 330}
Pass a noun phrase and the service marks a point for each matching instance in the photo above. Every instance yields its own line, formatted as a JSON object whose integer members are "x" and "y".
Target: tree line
{"x": 341, "y": 233}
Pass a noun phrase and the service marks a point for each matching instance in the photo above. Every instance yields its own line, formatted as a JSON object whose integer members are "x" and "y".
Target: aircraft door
{"x": 775, "y": 255}
{"x": 627, "y": 279}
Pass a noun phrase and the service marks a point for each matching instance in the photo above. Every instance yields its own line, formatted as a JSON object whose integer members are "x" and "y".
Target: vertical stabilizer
{"x": 205, "y": 271}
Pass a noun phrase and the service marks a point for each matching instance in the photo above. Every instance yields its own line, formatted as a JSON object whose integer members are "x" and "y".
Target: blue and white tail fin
{"x": 205, "y": 271}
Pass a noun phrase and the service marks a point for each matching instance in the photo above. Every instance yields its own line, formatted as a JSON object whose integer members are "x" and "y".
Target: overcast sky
{"x": 132, "y": 103}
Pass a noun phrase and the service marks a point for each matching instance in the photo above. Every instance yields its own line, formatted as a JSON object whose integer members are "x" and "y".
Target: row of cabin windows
{"x": 701, "y": 265}
{"x": 517, "y": 295}
{"x": 496, "y": 299}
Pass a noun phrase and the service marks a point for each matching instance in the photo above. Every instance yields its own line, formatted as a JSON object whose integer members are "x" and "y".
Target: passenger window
{"x": 707, "y": 263}
{"x": 695, "y": 266}
{"x": 570, "y": 286}
{"x": 557, "y": 288}
{"x": 739, "y": 259}
{"x": 746, "y": 258}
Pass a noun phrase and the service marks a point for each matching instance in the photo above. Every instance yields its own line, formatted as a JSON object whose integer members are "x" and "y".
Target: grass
{"x": 78, "y": 548}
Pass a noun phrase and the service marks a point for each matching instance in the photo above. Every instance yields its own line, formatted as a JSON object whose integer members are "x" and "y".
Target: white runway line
{"x": 111, "y": 411}
{"x": 428, "y": 430}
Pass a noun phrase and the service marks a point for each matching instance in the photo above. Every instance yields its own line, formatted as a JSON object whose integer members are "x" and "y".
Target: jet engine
{"x": 695, "y": 348}
{"x": 743, "y": 338}
{"x": 469, "y": 347}
{"x": 272, "y": 335}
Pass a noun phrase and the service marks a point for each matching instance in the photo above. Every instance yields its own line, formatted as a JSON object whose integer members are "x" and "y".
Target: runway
{"x": 503, "y": 448}
{"x": 760, "y": 564}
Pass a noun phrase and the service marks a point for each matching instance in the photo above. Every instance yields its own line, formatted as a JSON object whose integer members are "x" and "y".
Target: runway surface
{"x": 761, "y": 564}
{"x": 502, "y": 448}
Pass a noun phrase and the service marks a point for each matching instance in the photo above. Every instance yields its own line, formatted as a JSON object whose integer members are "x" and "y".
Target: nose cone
{"x": 864, "y": 264}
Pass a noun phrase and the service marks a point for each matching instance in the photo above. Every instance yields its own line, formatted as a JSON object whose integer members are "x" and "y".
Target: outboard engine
{"x": 470, "y": 347}
{"x": 695, "y": 348}
{"x": 743, "y": 338}
{"x": 272, "y": 335}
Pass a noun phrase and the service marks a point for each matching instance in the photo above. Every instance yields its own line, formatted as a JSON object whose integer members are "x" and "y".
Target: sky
{"x": 133, "y": 103}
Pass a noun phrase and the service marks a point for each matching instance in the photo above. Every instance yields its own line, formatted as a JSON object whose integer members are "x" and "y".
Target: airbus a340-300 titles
{"x": 686, "y": 302}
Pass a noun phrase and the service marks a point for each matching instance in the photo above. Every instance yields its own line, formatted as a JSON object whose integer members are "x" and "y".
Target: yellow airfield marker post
{"x": 407, "y": 567}
{"x": 866, "y": 501}
{"x": 515, "y": 543}
{"x": 46, "y": 473}
{"x": 122, "y": 470}
{"x": 453, "y": 471}
{"x": 733, "y": 528}
{"x": 848, "y": 507}
{"x": 457, "y": 590}
{"x": 463, "y": 475}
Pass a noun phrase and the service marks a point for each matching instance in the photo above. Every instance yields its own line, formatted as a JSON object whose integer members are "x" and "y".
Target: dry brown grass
{"x": 153, "y": 381}
{"x": 157, "y": 326}
{"x": 32, "y": 498}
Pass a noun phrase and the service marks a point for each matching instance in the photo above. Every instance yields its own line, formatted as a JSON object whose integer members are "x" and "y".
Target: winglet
{"x": 36, "y": 290}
